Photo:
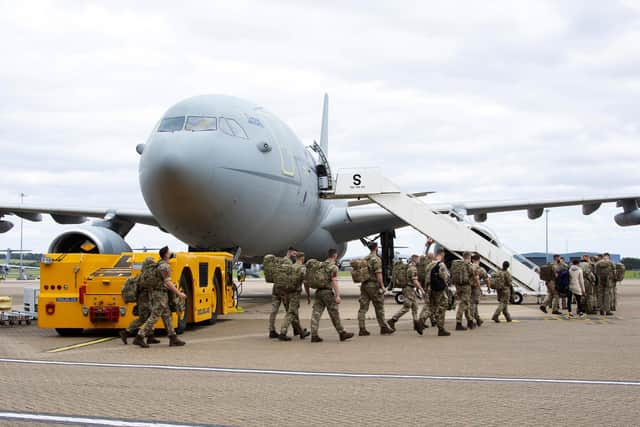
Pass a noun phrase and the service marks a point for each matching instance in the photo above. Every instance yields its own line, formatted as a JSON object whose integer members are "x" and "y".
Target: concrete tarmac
{"x": 541, "y": 369}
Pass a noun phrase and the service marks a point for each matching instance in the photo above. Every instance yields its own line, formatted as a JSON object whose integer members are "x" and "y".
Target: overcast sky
{"x": 474, "y": 100}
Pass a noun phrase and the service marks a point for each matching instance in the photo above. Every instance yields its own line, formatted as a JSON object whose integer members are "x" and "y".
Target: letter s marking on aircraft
{"x": 357, "y": 179}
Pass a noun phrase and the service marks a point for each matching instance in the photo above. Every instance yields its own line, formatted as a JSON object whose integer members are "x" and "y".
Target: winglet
{"x": 324, "y": 129}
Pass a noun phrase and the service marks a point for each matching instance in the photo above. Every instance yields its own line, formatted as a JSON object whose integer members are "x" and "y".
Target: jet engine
{"x": 89, "y": 239}
{"x": 626, "y": 219}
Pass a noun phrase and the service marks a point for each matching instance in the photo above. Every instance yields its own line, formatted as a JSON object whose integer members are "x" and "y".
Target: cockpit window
{"x": 171, "y": 124}
{"x": 201, "y": 123}
{"x": 232, "y": 128}
{"x": 237, "y": 129}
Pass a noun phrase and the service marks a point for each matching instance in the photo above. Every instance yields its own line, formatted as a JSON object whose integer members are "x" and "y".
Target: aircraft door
{"x": 277, "y": 137}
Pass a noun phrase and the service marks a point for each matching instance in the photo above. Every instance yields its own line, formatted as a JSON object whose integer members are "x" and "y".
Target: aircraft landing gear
{"x": 387, "y": 255}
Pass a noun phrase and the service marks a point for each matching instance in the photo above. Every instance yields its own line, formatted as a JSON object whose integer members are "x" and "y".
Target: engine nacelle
{"x": 5, "y": 226}
{"x": 89, "y": 239}
{"x": 626, "y": 219}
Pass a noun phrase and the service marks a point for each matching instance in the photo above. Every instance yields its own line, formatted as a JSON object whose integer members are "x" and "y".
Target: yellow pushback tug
{"x": 83, "y": 291}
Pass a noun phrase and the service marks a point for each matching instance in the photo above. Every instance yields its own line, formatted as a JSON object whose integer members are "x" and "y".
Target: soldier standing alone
{"x": 373, "y": 291}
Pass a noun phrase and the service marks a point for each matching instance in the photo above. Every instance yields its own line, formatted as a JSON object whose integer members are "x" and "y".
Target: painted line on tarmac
{"x": 324, "y": 374}
{"x": 87, "y": 421}
{"x": 80, "y": 345}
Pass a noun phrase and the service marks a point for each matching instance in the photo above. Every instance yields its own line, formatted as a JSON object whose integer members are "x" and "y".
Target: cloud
{"x": 526, "y": 100}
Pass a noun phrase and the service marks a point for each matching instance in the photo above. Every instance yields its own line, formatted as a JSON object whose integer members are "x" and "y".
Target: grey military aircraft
{"x": 222, "y": 173}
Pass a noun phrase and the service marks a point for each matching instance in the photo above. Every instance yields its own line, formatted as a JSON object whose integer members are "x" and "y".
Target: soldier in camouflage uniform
{"x": 590, "y": 298}
{"x": 463, "y": 294}
{"x": 480, "y": 275}
{"x": 503, "y": 285}
{"x": 144, "y": 311}
{"x": 373, "y": 291}
{"x": 605, "y": 270}
{"x": 329, "y": 298}
{"x": 553, "y": 298}
{"x": 279, "y": 297}
{"x": 293, "y": 297}
{"x": 159, "y": 298}
{"x": 438, "y": 300}
{"x": 410, "y": 297}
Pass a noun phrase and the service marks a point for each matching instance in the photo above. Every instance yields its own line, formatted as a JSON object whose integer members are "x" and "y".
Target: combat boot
{"x": 304, "y": 333}
{"x": 273, "y": 334}
{"x": 344, "y": 335}
{"x": 479, "y": 322}
{"x": 508, "y": 316}
{"x": 442, "y": 332}
{"x": 315, "y": 338}
{"x": 284, "y": 337}
{"x": 363, "y": 333}
{"x": 459, "y": 327}
{"x": 123, "y": 336}
{"x": 296, "y": 330}
{"x": 470, "y": 324}
{"x": 392, "y": 324}
{"x": 433, "y": 323}
{"x": 496, "y": 318}
{"x": 543, "y": 308}
{"x": 152, "y": 340}
{"x": 385, "y": 330}
{"x": 608, "y": 313}
{"x": 174, "y": 341}
{"x": 556, "y": 312}
{"x": 417, "y": 326}
{"x": 139, "y": 340}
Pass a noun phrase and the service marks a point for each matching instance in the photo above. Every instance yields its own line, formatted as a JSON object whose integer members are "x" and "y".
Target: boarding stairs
{"x": 451, "y": 233}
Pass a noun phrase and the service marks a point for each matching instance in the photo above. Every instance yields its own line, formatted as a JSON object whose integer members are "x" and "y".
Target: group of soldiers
{"x": 467, "y": 277}
{"x": 155, "y": 289}
{"x": 599, "y": 274}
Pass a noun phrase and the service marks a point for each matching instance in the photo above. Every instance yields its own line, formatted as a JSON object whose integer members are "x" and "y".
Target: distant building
{"x": 539, "y": 258}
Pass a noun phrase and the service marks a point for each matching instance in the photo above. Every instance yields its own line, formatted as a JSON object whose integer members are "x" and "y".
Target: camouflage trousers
{"x": 435, "y": 308}
{"x": 159, "y": 310}
{"x": 428, "y": 310}
{"x": 504, "y": 296}
{"x": 475, "y": 300}
{"x": 463, "y": 294}
{"x": 277, "y": 298}
{"x": 144, "y": 311}
{"x": 325, "y": 298}
{"x": 604, "y": 296}
{"x": 553, "y": 299}
{"x": 591, "y": 297}
{"x": 612, "y": 296}
{"x": 410, "y": 303}
{"x": 292, "y": 317}
{"x": 370, "y": 293}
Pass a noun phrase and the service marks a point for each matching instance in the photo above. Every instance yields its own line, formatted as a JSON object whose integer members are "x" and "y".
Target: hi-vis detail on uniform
{"x": 222, "y": 173}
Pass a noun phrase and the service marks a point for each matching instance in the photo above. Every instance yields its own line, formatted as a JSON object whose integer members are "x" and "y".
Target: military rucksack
{"x": 436, "y": 282}
{"x": 619, "y": 273}
{"x": 130, "y": 289}
{"x": 399, "y": 275}
{"x": 498, "y": 281}
{"x": 360, "y": 270}
{"x": 422, "y": 269}
{"x": 289, "y": 277}
{"x": 150, "y": 276}
{"x": 604, "y": 270}
{"x": 461, "y": 273}
{"x": 318, "y": 274}
{"x": 563, "y": 281}
{"x": 269, "y": 267}
{"x": 547, "y": 272}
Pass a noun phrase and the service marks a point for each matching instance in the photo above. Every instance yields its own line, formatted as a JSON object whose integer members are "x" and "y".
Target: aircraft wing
{"x": 76, "y": 216}
{"x": 364, "y": 220}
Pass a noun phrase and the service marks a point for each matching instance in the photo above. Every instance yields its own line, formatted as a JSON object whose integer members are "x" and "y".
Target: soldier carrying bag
{"x": 619, "y": 273}
{"x": 497, "y": 281}
{"x": 360, "y": 271}
{"x": 436, "y": 282}
{"x": 422, "y": 270}
{"x": 150, "y": 277}
{"x": 317, "y": 275}
{"x": 269, "y": 263}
